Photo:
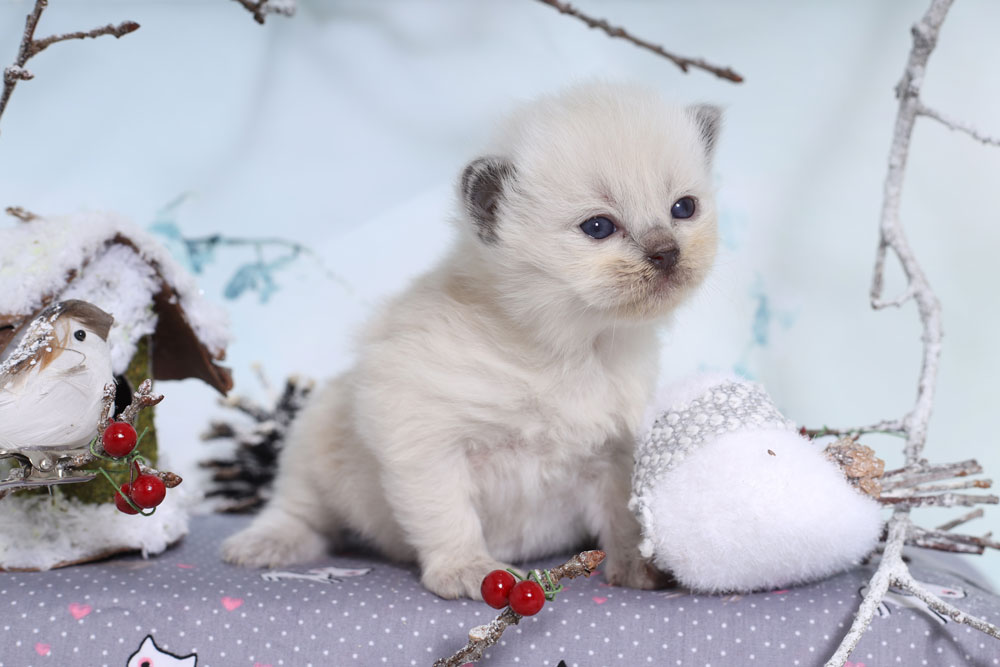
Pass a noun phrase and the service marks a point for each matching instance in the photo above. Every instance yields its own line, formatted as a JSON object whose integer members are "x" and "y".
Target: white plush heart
{"x": 757, "y": 510}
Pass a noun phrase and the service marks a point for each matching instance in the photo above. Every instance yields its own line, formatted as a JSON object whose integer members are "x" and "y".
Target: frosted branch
{"x": 905, "y": 477}
{"x": 31, "y": 47}
{"x": 913, "y": 481}
{"x": 261, "y": 8}
{"x": 21, "y": 214}
{"x": 907, "y": 583}
{"x": 878, "y": 585}
{"x": 482, "y": 637}
{"x": 965, "y": 518}
{"x": 957, "y": 125}
{"x": 888, "y": 427}
{"x": 116, "y": 31}
{"x": 621, "y": 33}
{"x": 941, "y": 500}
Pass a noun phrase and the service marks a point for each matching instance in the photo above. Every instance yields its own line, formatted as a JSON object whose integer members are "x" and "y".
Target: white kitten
{"x": 491, "y": 412}
{"x": 150, "y": 655}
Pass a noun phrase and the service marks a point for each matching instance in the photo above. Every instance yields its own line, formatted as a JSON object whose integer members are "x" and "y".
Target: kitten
{"x": 490, "y": 416}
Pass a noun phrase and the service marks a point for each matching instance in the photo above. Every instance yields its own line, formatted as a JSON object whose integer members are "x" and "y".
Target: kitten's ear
{"x": 483, "y": 184}
{"x": 708, "y": 117}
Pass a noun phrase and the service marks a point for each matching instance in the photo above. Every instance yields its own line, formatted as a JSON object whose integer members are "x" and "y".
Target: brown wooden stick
{"x": 31, "y": 47}
{"x": 615, "y": 31}
{"x": 116, "y": 31}
{"x": 941, "y": 500}
{"x": 954, "y": 523}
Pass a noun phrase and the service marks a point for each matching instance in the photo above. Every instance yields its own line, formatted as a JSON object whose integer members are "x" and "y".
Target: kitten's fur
{"x": 490, "y": 416}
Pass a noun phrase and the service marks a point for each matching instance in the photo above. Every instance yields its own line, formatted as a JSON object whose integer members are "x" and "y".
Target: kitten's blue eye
{"x": 683, "y": 208}
{"x": 599, "y": 228}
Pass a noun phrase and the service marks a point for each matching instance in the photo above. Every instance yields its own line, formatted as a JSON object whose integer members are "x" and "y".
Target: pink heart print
{"x": 599, "y": 600}
{"x": 79, "y": 610}
{"x": 42, "y": 649}
{"x": 260, "y": 664}
{"x": 231, "y": 603}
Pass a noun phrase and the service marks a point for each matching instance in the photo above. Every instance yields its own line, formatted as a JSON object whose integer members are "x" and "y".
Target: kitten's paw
{"x": 459, "y": 579}
{"x": 270, "y": 544}
{"x": 635, "y": 572}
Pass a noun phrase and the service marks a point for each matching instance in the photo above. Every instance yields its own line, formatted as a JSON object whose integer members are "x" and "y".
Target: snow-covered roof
{"x": 106, "y": 260}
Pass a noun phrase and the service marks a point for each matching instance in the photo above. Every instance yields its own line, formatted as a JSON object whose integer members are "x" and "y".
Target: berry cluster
{"x": 525, "y": 597}
{"x": 143, "y": 491}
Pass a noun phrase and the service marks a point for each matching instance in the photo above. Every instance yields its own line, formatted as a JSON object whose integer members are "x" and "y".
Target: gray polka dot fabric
{"x": 187, "y": 608}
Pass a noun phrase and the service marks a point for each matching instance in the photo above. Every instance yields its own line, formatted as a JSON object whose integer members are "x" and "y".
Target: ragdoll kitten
{"x": 489, "y": 418}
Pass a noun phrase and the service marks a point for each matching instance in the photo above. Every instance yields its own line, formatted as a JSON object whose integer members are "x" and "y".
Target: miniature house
{"x": 164, "y": 328}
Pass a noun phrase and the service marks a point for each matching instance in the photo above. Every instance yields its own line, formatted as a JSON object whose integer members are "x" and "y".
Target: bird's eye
{"x": 683, "y": 208}
{"x": 79, "y": 334}
{"x": 599, "y": 227}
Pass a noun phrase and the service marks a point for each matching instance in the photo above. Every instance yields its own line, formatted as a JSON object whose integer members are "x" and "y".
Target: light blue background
{"x": 345, "y": 128}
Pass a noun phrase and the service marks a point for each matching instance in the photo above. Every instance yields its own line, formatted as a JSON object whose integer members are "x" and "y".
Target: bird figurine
{"x": 52, "y": 380}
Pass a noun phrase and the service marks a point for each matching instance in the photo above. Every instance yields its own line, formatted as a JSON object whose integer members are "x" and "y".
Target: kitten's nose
{"x": 664, "y": 258}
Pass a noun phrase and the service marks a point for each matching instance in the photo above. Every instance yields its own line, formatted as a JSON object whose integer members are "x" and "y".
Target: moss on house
{"x": 98, "y": 490}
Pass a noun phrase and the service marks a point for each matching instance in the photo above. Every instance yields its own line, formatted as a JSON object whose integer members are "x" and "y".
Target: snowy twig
{"x": 943, "y": 539}
{"x": 614, "y": 31}
{"x": 892, "y": 570}
{"x": 117, "y": 31}
{"x": 965, "y": 518}
{"x": 31, "y": 47}
{"x": 911, "y": 476}
{"x": 888, "y": 427}
{"x": 482, "y": 637}
{"x": 957, "y": 125}
{"x": 909, "y": 584}
{"x": 941, "y": 500}
{"x": 261, "y": 8}
{"x": 21, "y": 214}
{"x": 892, "y": 237}
{"x": 142, "y": 398}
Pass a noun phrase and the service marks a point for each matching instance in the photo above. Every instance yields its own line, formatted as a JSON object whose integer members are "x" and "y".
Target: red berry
{"x": 527, "y": 598}
{"x": 148, "y": 491}
{"x": 119, "y": 439}
{"x": 121, "y": 503}
{"x": 496, "y": 588}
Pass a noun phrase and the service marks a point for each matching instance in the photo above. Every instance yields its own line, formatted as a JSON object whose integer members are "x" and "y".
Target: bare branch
{"x": 955, "y": 523}
{"x": 31, "y": 47}
{"x": 915, "y": 475}
{"x": 261, "y": 8}
{"x": 21, "y": 214}
{"x": 879, "y": 304}
{"x": 942, "y": 500}
{"x": 957, "y": 125}
{"x": 614, "y": 31}
{"x": 117, "y": 31}
{"x": 142, "y": 398}
{"x": 888, "y": 427}
{"x": 906, "y": 477}
{"x": 892, "y": 561}
{"x": 907, "y": 583}
{"x": 16, "y": 72}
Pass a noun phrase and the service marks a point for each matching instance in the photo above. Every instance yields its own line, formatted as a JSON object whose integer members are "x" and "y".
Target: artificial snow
{"x": 28, "y": 344}
{"x": 38, "y": 258}
{"x": 122, "y": 283}
{"x": 41, "y": 532}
